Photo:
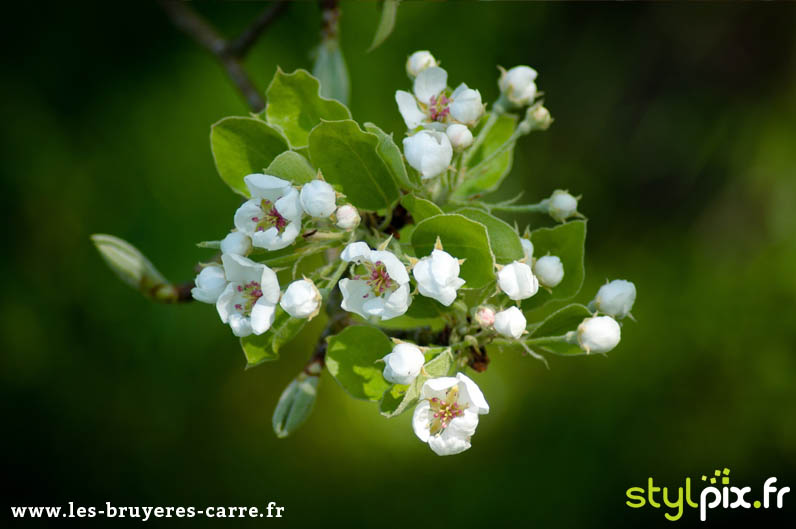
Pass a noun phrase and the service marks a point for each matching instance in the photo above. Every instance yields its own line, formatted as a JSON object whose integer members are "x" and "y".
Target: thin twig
{"x": 240, "y": 46}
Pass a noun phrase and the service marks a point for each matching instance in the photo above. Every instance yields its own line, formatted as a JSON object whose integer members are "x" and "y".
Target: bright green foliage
{"x": 560, "y": 323}
{"x": 420, "y": 208}
{"x": 503, "y": 238}
{"x": 293, "y": 167}
{"x": 393, "y": 158}
{"x": 352, "y": 359}
{"x": 265, "y": 347}
{"x": 398, "y": 398}
{"x": 487, "y": 177}
{"x": 389, "y": 12}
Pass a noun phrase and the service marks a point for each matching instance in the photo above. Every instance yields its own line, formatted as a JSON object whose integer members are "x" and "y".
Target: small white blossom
{"x": 459, "y": 136}
{"x": 517, "y": 281}
{"x": 485, "y": 317}
{"x": 510, "y": 322}
{"x": 419, "y": 61}
{"x": 382, "y": 291}
{"x": 301, "y": 299}
{"x": 447, "y": 415}
{"x": 403, "y": 364}
{"x": 527, "y": 248}
{"x": 347, "y": 217}
{"x": 549, "y": 270}
{"x": 429, "y": 152}
{"x": 466, "y": 106}
{"x": 272, "y": 217}
{"x": 210, "y": 283}
{"x": 237, "y": 243}
{"x": 518, "y": 85}
{"x": 599, "y": 334}
{"x": 616, "y": 298}
{"x": 248, "y": 303}
{"x": 562, "y": 205}
{"x": 437, "y": 277}
{"x": 318, "y": 199}
{"x": 431, "y": 107}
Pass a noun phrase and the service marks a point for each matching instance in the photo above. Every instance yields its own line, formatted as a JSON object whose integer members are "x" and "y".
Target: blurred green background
{"x": 676, "y": 122}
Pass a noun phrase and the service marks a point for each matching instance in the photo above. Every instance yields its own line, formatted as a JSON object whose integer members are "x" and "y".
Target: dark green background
{"x": 676, "y": 122}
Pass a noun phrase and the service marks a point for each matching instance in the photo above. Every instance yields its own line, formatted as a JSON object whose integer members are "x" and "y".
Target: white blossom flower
{"x": 419, "y": 61}
{"x": 429, "y": 152}
{"x": 431, "y": 107}
{"x": 403, "y": 364}
{"x": 459, "y": 136}
{"x": 272, "y": 217}
{"x": 301, "y": 299}
{"x": 485, "y": 317}
{"x": 599, "y": 334}
{"x": 437, "y": 277}
{"x": 466, "y": 106}
{"x": 510, "y": 322}
{"x": 347, "y": 217}
{"x": 237, "y": 243}
{"x": 447, "y": 415}
{"x": 562, "y": 205}
{"x": 382, "y": 291}
{"x": 527, "y": 248}
{"x": 518, "y": 85}
{"x": 517, "y": 281}
{"x": 248, "y": 302}
{"x": 549, "y": 270}
{"x": 318, "y": 199}
{"x": 616, "y": 298}
{"x": 210, "y": 283}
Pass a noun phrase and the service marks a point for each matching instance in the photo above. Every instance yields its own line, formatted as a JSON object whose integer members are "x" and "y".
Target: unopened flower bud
{"x": 537, "y": 117}
{"x": 485, "y": 317}
{"x": 467, "y": 106}
{"x": 347, "y": 217}
{"x": 517, "y": 84}
{"x": 210, "y": 283}
{"x": 616, "y": 298}
{"x": 318, "y": 199}
{"x": 459, "y": 136}
{"x": 599, "y": 334}
{"x": 517, "y": 281}
{"x": 510, "y": 322}
{"x": 419, "y": 61}
{"x": 562, "y": 205}
{"x": 549, "y": 270}
{"x": 527, "y": 248}
{"x": 429, "y": 152}
{"x": 295, "y": 404}
{"x": 403, "y": 364}
{"x": 237, "y": 243}
{"x": 302, "y": 299}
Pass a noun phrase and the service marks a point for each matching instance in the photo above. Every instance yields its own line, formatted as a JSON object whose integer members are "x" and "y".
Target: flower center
{"x": 438, "y": 107}
{"x": 445, "y": 410}
{"x": 249, "y": 292}
{"x": 271, "y": 218}
{"x": 377, "y": 278}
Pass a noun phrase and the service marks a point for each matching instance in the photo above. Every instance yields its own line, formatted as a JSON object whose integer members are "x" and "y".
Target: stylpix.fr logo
{"x": 716, "y": 494}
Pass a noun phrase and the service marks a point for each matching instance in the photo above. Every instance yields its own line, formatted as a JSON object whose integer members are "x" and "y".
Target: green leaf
{"x": 348, "y": 157}
{"x": 462, "y": 238}
{"x": 399, "y": 398}
{"x": 242, "y": 146}
{"x": 389, "y": 12}
{"x": 494, "y": 171}
{"x": 558, "y": 324}
{"x": 566, "y": 241}
{"x": 296, "y": 106}
{"x": 351, "y": 358}
{"x": 505, "y": 242}
{"x": 426, "y": 308}
{"x": 393, "y": 159}
{"x": 331, "y": 71}
{"x": 265, "y": 347}
{"x": 420, "y": 208}
{"x": 293, "y": 167}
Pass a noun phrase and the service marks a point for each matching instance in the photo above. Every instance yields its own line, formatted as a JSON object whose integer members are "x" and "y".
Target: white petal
{"x": 395, "y": 268}
{"x": 421, "y": 420}
{"x": 354, "y": 292}
{"x": 266, "y": 186}
{"x": 244, "y": 215}
{"x": 240, "y": 325}
{"x": 449, "y": 442}
{"x": 374, "y": 306}
{"x": 224, "y": 305}
{"x": 239, "y": 269}
{"x": 429, "y": 83}
{"x": 269, "y": 285}
{"x": 289, "y": 206}
{"x": 407, "y": 106}
{"x": 396, "y": 303}
{"x": 356, "y": 252}
{"x": 471, "y": 393}
{"x": 262, "y": 316}
{"x": 434, "y": 386}
{"x": 236, "y": 242}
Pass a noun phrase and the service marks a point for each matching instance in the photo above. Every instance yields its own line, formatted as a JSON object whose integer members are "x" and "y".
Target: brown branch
{"x": 240, "y": 46}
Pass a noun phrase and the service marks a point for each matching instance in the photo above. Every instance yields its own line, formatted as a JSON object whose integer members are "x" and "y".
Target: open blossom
{"x": 437, "y": 277}
{"x": 403, "y": 364}
{"x": 347, "y": 217}
{"x": 301, "y": 299}
{"x": 447, "y": 415}
{"x": 549, "y": 270}
{"x": 517, "y": 281}
{"x": 599, "y": 334}
{"x": 237, "y": 243}
{"x": 616, "y": 298}
{"x": 248, "y": 303}
{"x": 510, "y": 322}
{"x": 430, "y": 106}
{"x": 429, "y": 152}
{"x": 419, "y": 61}
{"x": 382, "y": 291}
{"x": 272, "y": 217}
{"x": 318, "y": 199}
{"x": 518, "y": 85}
{"x": 210, "y": 283}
